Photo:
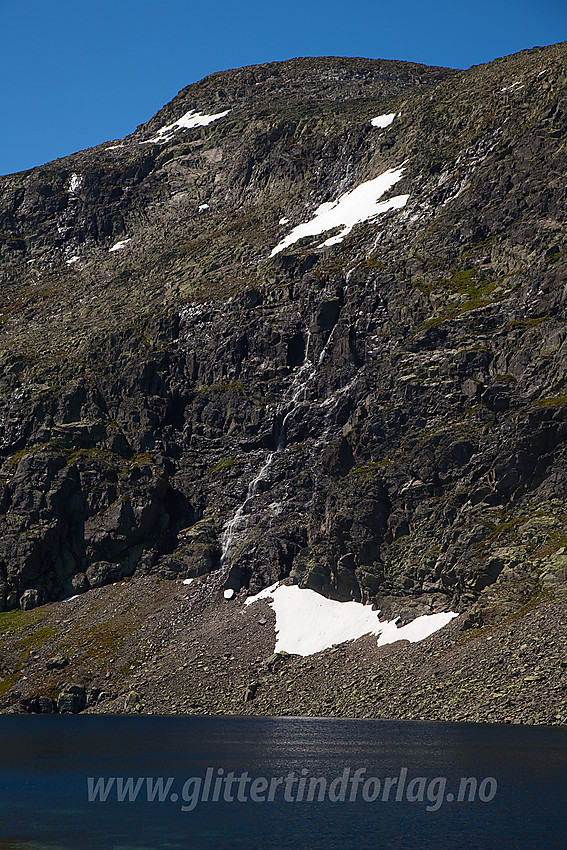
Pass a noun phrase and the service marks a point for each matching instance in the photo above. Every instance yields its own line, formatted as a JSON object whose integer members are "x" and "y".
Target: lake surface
{"x": 186, "y": 782}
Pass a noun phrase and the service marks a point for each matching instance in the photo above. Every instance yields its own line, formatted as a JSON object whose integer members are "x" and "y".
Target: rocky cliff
{"x": 373, "y": 405}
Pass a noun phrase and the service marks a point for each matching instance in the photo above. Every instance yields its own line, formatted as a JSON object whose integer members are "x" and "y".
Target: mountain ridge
{"x": 380, "y": 419}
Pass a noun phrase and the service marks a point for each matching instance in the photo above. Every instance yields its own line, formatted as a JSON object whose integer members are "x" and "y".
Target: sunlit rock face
{"x": 306, "y": 323}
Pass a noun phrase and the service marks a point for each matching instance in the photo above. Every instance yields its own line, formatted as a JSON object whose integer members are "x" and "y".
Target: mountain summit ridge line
{"x": 378, "y": 407}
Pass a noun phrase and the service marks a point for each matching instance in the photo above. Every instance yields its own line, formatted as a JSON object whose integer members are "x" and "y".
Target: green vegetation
{"x": 525, "y": 324}
{"x": 104, "y": 639}
{"x": 141, "y": 459}
{"x": 94, "y": 453}
{"x": 18, "y": 456}
{"x": 470, "y": 284}
{"x": 37, "y": 638}
{"x": 498, "y": 529}
{"x": 8, "y": 682}
{"x": 131, "y": 665}
{"x": 236, "y": 386}
{"x": 552, "y": 401}
{"x": 223, "y": 464}
{"x": 370, "y": 469}
{"x": 15, "y": 621}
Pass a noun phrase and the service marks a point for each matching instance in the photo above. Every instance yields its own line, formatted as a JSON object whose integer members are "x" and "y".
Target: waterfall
{"x": 301, "y": 379}
{"x": 232, "y": 526}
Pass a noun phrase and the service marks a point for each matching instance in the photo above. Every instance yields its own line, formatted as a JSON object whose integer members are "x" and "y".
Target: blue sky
{"x": 75, "y": 74}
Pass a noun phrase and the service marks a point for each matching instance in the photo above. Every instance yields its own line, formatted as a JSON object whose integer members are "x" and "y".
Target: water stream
{"x": 296, "y": 394}
{"x": 294, "y": 397}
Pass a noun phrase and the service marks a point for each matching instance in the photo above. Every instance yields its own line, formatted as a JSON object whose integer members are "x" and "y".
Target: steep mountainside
{"x": 373, "y": 405}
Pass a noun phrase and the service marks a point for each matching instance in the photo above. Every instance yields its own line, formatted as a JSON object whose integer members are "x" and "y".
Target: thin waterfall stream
{"x": 302, "y": 378}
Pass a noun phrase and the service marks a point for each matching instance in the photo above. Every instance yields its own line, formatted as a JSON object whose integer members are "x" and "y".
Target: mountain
{"x": 306, "y": 325}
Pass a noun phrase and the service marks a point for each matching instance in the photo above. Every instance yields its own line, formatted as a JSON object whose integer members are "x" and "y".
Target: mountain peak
{"x": 304, "y": 325}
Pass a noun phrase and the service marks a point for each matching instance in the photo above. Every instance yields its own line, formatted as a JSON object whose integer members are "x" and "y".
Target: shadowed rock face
{"x": 383, "y": 419}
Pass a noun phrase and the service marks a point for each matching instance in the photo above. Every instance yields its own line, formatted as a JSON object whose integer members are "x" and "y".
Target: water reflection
{"x": 45, "y": 763}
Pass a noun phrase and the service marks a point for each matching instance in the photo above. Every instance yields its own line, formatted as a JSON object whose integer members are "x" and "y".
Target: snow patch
{"x": 70, "y": 598}
{"x": 228, "y": 594}
{"x": 187, "y": 121}
{"x": 203, "y": 207}
{"x": 188, "y": 314}
{"x": 119, "y": 245}
{"x": 74, "y": 183}
{"x": 188, "y": 581}
{"x": 307, "y": 622}
{"x": 513, "y": 87}
{"x": 383, "y": 121}
{"x": 72, "y": 260}
{"x": 355, "y": 206}
{"x": 114, "y": 147}
{"x": 283, "y": 221}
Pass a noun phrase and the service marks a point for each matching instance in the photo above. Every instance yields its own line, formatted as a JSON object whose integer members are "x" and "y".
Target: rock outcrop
{"x": 381, "y": 419}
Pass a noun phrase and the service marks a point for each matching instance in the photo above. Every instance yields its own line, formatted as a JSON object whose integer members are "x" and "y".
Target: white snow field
{"x": 119, "y": 245}
{"x": 74, "y": 183}
{"x": 383, "y": 121}
{"x": 353, "y": 207}
{"x": 190, "y": 119}
{"x": 307, "y": 622}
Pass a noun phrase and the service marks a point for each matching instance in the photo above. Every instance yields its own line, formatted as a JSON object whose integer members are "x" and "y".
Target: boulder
{"x": 133, "y": 702}
{"x": 72, "y": 699}
{"x": 38, "y": 705}
{"x": 58, "y": 662}
{"x": 80, "y": 583}
{"x": 29, "y": 599}
{"x": 103, "y": 572}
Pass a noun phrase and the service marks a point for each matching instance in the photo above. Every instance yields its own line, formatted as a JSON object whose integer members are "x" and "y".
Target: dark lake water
{"x": 181, "y": 783}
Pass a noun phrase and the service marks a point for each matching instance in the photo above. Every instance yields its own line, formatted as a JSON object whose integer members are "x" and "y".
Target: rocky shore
{"x": 162, "y": 647}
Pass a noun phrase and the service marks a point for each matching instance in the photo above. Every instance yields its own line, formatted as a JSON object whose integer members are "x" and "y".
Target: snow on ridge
{"x": 383, "y": 121}
{"x": 119, "y": 245}
{"x": 187, "y": 121}
{"x": 74, "y": 183}
{"x": 355, "y": 206}
{"x": 307, "y": 622}
{"x": 514, "y": 87}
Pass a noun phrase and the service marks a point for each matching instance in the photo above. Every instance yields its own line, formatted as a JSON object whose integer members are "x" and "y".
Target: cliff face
{"x": 190, "y": 385}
